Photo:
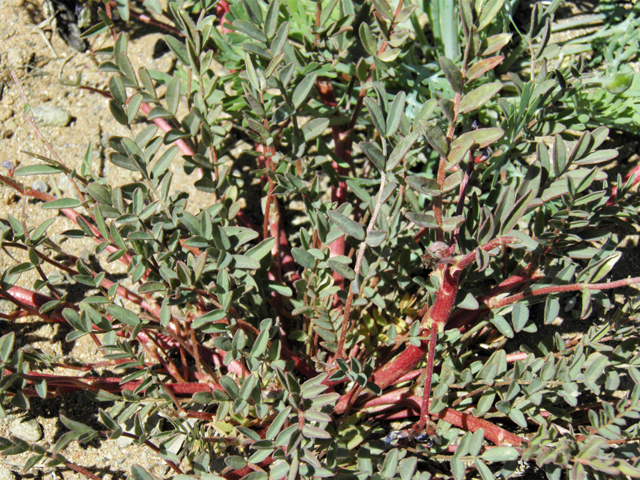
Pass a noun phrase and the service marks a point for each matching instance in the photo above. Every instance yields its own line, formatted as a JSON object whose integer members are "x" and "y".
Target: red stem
{"x": 424, "y": 410}
{"x": 635, "y": 171}
{"x": 576, "y": 287}
{"x": 468, "y": 422}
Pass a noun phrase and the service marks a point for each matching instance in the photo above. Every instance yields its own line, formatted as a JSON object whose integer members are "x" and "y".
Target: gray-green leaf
{"x": 478, "y": 97}
{"x": 348, "y": 226}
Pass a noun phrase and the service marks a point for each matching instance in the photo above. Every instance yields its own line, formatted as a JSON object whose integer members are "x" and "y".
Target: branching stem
{"x": 358, "y": 282}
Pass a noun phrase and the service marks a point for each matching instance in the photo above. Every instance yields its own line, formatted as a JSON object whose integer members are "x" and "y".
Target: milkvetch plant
{"x": 446, "y": 206}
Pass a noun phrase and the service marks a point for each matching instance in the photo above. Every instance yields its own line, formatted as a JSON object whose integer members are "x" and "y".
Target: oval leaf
{"x": 348, "y": 226}
{"x": 453, "y": 74}
{"x": 478, "y": 97}
{"x": 426, "y": 186}
{"x": 373, "y": 152}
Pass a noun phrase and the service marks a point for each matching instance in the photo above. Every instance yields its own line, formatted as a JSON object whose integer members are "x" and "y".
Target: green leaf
{"x": 500, "y": 454}
{"x": 260, "y": 344}
{"x": 394, "y": 117}
{"x": 62, "y": 203}
{"x": 123, "y": 315}
{"x": 277, "y": 423}
{"x": 489, "y": 12}
{"x": 479, "y": 97}
{"x": 598, "y": 363}
{"x": 303, "y": 257}
{"x": 244, "y": 262}
{"x": 251, "y": 72}
{"x": 483, "y": 66}
{"x": 37, "y": 170}
{"x": 619, "y": 83}
{"x": 369, "y": 42}
{"x": 139, "y": 473}
{"x": 314, "y": 128}
{"x": 483, "y": 137}
{"x": 502, "y": 325}
{"x": 453, "y": 74}
{"x": 423, "y": 220}
{"x": 250, "y": 29}
{"x": 262, "y": 249}
{"x": 302, "y": 90}
{"x": 132, "y": 108}
{"x": 99, "y": 193}
{"x": 253, "y": 11}
{"x": 375, "y": 238}
{"x": 452, "y": 223}
{"x": 212, "y": 316}
{"x": 457, "y": 468}
{"x": 348, "y": 226}
{"x": 271, "y": 21}
{"x": 6, "y": 346}
{"x": 390, "y": 465}
{"x": 164, "y": 161}
{"x": 551, "y": 310}
{"x": 491, "y": 45}
{"x": 598, "y": 157}
{"x": 376, "y": 115}
{"x": 559, "y": 156}
{"x": 373, "y": 152}
{"x": 485, "y": 472}
{"x": 118, "y": 91}
{"x": 518, "y": 417}
{"x": 315, "y": 432}
{"x": 519, "y": 316}
{"x": 459, "y": 149}
{"x": 401, "y": 150}
{"x": 342, "y": 269}
{"x": 426, "y": 186}
{"x": 383, "y": 7}
{"x": 436, "y": 139}
{"x": 75, "y": 426}
{"x": 279, "y": 39}
{"x": 516, "y": 213}
{"x": 408, "y": 467}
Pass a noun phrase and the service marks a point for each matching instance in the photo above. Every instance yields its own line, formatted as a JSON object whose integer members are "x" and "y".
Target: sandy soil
{"x": 41, "y": 65}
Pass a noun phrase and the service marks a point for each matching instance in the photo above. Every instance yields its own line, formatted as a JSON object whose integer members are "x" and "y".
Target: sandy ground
{"x": 40, "y": 65}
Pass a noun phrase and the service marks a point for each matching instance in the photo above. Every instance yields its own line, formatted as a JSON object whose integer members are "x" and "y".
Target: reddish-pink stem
{"x": 635, "y": 171}
{"x": 493, "y": 433}
{"x": 576, "y": 287}
{"x": 424, "y": 410}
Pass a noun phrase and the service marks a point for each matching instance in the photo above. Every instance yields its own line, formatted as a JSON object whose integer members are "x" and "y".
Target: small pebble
{"x": 5, "y": 113}
{"x": 27, "y": 429}
{"x": 51, "y": 116}
{"x": 6, "y": 474}
{"x": 18, "y": 58}
{"x": 40, "y": 186}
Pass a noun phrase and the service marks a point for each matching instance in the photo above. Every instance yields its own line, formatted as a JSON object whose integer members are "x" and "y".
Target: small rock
{"x": 5, "y": 113}
{"x": 10, "y": 127}
{"x": 6, "y": 474}
{"x": 51, "y": 116}
{"x": 40, "y": 186}
{"x": 27, "y": 429}
{"x": 18, "y": 58}
{"x": 65, "y": 185}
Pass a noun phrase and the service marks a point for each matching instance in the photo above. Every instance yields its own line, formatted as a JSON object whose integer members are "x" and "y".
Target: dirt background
{"x": 31, "y": 46}
{"x": 40, "y": 65}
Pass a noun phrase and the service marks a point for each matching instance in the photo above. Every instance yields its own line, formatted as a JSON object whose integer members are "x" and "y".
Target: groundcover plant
{"x": 444, "y": 162}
